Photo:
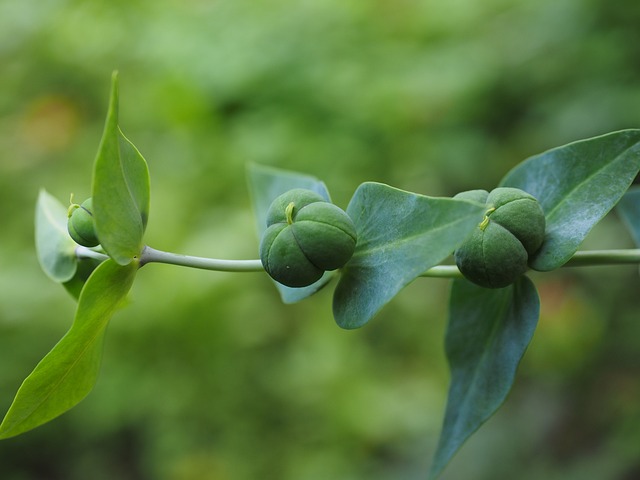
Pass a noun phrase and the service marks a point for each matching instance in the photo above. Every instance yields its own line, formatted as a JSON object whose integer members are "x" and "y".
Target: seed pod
{"x": 305, "y": 236}
{"x": 81, "y": 226}
{"x": 497, "y": 253}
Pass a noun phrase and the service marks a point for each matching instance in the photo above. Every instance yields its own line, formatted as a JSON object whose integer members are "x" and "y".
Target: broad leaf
{"x": 69, "y": 371}
{"x": 577, "y": 185}
{"x": 488, "y": 333}
{"x": 120, "y": 190}
{"x": 267, "y": 183}
{"x": 629, "y": 210}
{"x": 400, "y": 236}
{"x": 54, "y": 247}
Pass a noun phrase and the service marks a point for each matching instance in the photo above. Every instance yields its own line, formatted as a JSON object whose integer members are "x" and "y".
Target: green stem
{"x": 150, "y": 255}
{"x": 590, "y": 258}
{"x": 84, "y": 252}
{"x": 587, "y": 258}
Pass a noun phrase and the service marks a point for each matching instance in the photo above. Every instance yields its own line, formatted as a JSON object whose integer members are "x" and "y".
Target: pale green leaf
{"x": 54, "y": 247}
{"x": 120, "y": 190}
{"x": 576, "y": 185}
{"x": 69, "y": 371}
{"x": 400, "y": 236}
{"x": 267, "y": 183}
{"x": 487, "y": 335}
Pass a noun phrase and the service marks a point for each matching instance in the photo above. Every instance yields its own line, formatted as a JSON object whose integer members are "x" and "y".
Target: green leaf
{"x": 120, "y": 190}
{"x": 629, "y": 210}
{"x": 267, "y": 183}
{"x": 400, "y": 236}
{"x": 488, "y": 333}
{"x": 69, "y": 371}
{"x": 54, "y": 247}
{"x": 86, "y": 266}
{"x": 577, "y": 185}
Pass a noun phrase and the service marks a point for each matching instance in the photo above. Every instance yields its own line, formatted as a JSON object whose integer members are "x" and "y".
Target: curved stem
{"x": 84, "y": 252}
{"x": 443, "y": 271}
{"x": 150, "y": 255}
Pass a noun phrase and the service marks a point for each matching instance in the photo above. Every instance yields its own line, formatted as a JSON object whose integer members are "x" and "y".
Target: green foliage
{"x": 497, "y": 252}
{"x": 54, "y": 248}
{"x": 305, "y": 237}
{"x": 576, "y": 186}
{"x": 69, "y": 371}
{"x": 401, "y": 235}
{"x": 120, "y": 189}
{"x": 487, "y": 335}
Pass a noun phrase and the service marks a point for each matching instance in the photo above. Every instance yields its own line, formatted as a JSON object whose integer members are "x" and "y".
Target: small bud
{"x": 81, "y": 225}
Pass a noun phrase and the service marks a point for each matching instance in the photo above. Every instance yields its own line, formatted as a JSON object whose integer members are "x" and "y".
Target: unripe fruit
{"x": 305, "y": 236}
{"x": 497, "y": 253}
{"x": 81, "y": 226}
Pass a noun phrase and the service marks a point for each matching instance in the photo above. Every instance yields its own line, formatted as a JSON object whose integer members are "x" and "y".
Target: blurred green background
{"x": 207, "y": 375}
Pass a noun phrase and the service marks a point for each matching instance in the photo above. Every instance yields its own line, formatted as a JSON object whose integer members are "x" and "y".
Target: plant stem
{"x": 150, "y": 255}
{"x": 590, "y": 258}
{"x": 586, "y": 258}
{"x": 84, "y": 252}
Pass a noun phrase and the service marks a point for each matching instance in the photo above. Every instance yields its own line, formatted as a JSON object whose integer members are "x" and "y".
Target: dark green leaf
{"x": 69, "y": 371}
{"x": 577, "y": 185}
{"x": 400, "y": 236}
{"x": 54, "y": 247}
{"x": 488, "y": 333}
{"x": 120, "y": 190}
{"x": 267, "y": 183}
{"x": 629, "y": 210}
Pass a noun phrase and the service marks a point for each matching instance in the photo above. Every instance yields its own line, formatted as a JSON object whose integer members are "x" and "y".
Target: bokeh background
{"x": 207, "y": 375}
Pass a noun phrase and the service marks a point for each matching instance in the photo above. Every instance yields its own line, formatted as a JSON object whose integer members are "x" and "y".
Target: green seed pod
{"x": 81, "y": 226}
{"x": 497, "y": 253}
{"x": 305, "y": 236}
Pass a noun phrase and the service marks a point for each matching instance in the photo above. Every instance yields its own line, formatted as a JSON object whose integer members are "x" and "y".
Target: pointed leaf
{"x": 488, "y": 333}
{"x": 69, "y": 371}
{"x": 577, "y": 185}
{"x": 54, "y": 247}
{"x": 120, "y": 190}
{"x": 267, "y": 183}
{"x": 400, "y": 236}
{"x": 629, "y": 210}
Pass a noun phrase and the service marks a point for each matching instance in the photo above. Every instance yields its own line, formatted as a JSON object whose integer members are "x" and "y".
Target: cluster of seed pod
{"x": 497, "y": 253}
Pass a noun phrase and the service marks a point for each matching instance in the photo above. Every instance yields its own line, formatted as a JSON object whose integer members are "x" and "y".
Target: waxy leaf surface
{"x": 265, "y": 185}
{"x": 487, "y": 335}
{"x": 576, "y": 185}
{"x": 69, "y": 371}
{"x": 120, "y": 190}
{"x": 400, "y": 236}
{"x": 54, "y": 247}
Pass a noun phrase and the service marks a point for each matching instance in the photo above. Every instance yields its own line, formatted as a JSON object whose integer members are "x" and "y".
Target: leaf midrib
{"x": 550, "y": 215}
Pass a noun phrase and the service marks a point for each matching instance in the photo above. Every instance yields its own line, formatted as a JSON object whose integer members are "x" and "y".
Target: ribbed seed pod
{"x": 305, "y": 236}
{"x": 496, "y": 254}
